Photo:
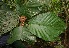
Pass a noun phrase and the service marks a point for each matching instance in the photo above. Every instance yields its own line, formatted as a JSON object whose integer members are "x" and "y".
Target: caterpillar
{"x": 22, "y": 20}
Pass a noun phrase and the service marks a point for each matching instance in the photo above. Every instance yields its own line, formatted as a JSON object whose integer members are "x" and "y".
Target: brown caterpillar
{"x": 22, "y": 20}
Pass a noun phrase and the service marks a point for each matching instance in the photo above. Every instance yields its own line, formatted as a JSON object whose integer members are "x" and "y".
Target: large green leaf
{"x": 46, "y": 26}
{"x": 21, "y": 33}
{"x": 8, "y": 20}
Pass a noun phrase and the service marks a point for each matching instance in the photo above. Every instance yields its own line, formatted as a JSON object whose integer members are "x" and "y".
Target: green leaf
{"x": 46, "y": 26}
{"x": 21, "y": 33}
{"x": 8, "y": 20}
{"x": 30, "y": 7}
{"x": 27, "y": 11}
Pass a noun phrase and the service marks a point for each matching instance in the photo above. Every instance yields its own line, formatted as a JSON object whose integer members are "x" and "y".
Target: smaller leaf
{"x": 21, "y": 33}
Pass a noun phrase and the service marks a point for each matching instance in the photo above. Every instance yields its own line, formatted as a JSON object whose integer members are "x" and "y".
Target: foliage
{"x": 42, "y": 19}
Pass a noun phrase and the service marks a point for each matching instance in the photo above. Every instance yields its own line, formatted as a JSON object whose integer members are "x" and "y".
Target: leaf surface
{"x": 21, "y": 33}
{"x": 46, "y": 26}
